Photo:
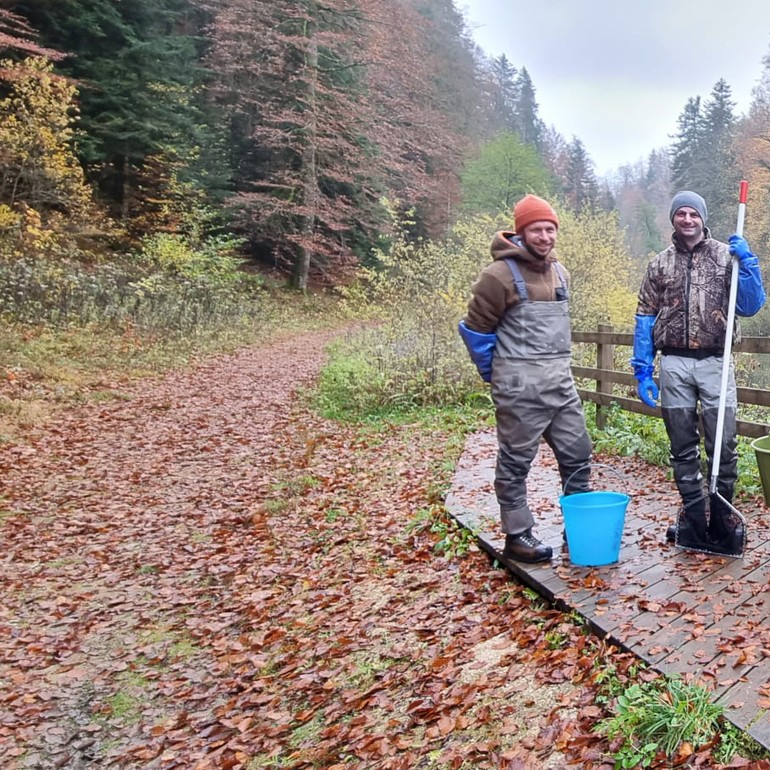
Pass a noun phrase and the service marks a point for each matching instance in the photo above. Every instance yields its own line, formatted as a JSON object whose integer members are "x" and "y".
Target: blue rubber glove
{"x": 740, "y": 248}
{"x": 751, "y": 293}
{"x": 481, "y": 348}
{"x": 648, "y": 391}
{"x": 644, "y": 356}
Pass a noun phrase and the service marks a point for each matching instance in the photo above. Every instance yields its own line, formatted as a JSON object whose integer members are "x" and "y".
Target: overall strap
{"x": 562, "y": 293}
{"x": 518, "y": 279}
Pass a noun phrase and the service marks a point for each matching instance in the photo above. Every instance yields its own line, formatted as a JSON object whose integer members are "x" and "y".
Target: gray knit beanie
{"x": 691, "y": 199}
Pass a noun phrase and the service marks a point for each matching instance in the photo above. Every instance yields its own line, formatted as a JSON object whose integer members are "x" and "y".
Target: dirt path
{"x": 201, "y": 574}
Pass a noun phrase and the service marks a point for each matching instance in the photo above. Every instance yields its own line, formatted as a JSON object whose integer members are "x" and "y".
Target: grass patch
{"x": 127, "y": 703}
{"x": 737, "y": 743}
{"x": 275, "y": 506}
{"x": 667, "y": 716}
{"x": 332, "y": 514}
{"x": 184, "y": 649}
{"x": 367, "y": 667}
{"x": 453, "y": 540}
{"x": 370, "y": 377}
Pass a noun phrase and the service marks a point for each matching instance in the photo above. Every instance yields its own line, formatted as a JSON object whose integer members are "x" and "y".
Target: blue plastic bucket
{"x": 593, "y": 522}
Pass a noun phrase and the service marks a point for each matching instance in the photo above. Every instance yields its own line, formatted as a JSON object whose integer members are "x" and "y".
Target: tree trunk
{"x": 123, "y": 197}
{"x": 309, "y": 160}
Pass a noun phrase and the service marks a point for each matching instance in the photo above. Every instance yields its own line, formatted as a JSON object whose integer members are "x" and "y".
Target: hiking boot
{"x": 527, "y": 548}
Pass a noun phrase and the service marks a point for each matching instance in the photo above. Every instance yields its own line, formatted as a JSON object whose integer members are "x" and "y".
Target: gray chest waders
{"x": 535, "y": 397}
{"x": 532, "y": 331}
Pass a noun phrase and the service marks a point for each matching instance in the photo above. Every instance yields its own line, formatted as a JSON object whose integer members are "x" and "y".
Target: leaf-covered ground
{"x": 201, "y": 573}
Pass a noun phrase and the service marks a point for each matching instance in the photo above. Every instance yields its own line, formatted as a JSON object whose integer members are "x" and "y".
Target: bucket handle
{"x": 596, "y": 465}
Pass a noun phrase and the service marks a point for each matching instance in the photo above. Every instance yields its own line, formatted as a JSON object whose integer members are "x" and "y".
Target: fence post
{"x": 605, "y": 359}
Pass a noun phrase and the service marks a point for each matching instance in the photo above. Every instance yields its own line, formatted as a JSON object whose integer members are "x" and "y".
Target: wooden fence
{"x": 606, "y": 376}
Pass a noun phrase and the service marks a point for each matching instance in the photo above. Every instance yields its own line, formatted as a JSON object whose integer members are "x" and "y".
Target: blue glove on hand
{"x": 648, "y": 391}
{"x": 481, "y": 348}
{"x": 739, "y": 248}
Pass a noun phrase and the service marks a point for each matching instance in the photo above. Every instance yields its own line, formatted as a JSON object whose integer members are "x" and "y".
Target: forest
{"x": 293, "y": 136}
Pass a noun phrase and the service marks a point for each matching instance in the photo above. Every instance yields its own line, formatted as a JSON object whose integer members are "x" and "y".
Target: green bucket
{"x": 762, "y": 450}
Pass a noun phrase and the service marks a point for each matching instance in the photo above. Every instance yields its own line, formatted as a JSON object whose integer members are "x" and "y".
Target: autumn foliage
{"x": 44, "y": 198}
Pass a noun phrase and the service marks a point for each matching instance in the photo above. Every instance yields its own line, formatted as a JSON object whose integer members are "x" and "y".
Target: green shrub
{"x": 417, "y": 294}
{"x": 629, "y": 434}
{"x": 660, "y": 716}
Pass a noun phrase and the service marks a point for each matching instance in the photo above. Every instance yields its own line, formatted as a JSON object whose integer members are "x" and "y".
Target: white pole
{"x": 744, "y": 192}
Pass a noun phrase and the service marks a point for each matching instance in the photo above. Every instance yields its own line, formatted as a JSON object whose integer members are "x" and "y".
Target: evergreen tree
{"x": 687, "y": 147}
{"x": 580, "y": 186}
{"x": 530, "y": 126}
{"x": 505, "y": 93}
{"x": 720, "y": 183}
{"x": 555, "y": 155}
{"x": 703, "y": 159}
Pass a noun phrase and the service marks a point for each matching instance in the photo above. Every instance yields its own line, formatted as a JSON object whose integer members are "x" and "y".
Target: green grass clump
{"x": 661, "y": 716}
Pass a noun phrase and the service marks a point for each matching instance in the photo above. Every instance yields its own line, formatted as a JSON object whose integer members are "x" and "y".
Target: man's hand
{"x": 740, "y": 248}
{"x": 648, "y": 391}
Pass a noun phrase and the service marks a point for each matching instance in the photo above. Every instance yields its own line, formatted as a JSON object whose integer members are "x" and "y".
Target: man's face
{"x": 688, "y": 225}
{"x": 540, "y": 237}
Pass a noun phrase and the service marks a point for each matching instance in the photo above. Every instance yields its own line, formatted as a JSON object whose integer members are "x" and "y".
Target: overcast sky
{"x": 616, "y": 74}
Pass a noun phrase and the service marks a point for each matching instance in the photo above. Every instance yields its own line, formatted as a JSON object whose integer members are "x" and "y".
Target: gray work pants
{"x": 534, "y": 400}
{"x": 683, "y": 383}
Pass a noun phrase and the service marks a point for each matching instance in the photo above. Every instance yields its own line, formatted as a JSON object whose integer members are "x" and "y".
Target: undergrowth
{"x": 667, "y": 720}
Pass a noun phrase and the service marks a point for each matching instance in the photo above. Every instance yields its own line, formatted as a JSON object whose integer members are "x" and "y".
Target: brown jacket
{"x": 494, "y": 291}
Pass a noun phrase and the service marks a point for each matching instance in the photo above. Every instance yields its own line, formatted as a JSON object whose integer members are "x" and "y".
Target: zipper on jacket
{"x": 687, "y": 283}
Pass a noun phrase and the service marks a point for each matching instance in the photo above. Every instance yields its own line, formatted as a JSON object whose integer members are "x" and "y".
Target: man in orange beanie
{"x": 518, "y": 334}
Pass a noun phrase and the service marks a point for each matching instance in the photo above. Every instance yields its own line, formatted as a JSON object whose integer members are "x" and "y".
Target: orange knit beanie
{"x": 532, "y": 209}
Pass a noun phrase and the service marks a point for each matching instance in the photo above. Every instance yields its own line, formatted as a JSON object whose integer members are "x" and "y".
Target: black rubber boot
{"x": 726, "y": 529}
{"x": 692, "y": 529}
{"x": 526, "y": 548}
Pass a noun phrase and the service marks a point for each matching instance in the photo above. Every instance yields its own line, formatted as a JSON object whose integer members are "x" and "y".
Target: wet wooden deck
{"x": 676, "y": 610}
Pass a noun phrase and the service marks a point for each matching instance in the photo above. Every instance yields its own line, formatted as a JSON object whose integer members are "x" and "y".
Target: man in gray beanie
{"x": 682, "y": 312}
{"x": 691, "y": 199}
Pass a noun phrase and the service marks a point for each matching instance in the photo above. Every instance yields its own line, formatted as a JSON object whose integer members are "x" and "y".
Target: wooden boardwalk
{"x": 676, "y": 610}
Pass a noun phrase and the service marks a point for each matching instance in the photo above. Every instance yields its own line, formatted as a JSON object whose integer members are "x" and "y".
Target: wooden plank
{"x": 610, "y": 375}
{"x": 606, "y": 338}
{"x": 629, "y": 404}
{"x": 746, "y": 345}
{"x": 750, "y": 396}
{"x": 745, "y": 428}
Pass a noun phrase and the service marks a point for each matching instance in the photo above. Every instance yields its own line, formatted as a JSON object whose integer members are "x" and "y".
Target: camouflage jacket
{"x": 688, "y": 293}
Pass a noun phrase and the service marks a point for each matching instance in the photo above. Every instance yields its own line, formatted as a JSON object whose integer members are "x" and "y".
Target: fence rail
{"x": 605, "y": 376}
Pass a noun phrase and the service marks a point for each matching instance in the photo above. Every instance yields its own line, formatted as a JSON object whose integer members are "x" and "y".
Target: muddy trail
{"x": 201, "y": 573}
